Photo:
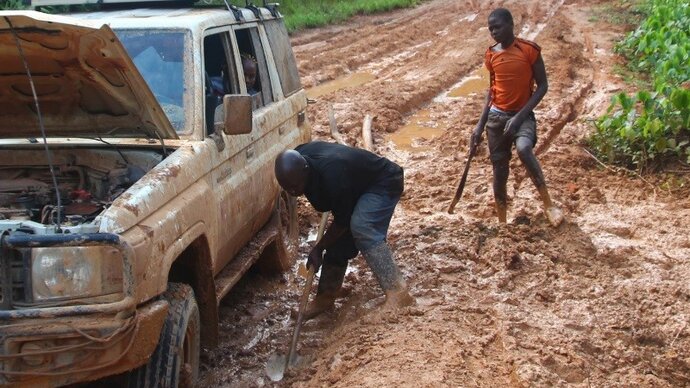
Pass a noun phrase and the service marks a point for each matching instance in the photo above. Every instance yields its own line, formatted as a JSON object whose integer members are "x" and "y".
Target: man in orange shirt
{"x": 514, "y": 65}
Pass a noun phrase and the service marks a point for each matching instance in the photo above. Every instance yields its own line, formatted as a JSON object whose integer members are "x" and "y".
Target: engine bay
{"x": 88, "y": 181}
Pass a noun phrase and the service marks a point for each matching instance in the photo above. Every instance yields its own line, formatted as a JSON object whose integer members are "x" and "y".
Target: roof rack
{"x": 273, "y": 8}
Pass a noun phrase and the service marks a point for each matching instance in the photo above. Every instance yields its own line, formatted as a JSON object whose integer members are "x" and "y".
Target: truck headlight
{"x": 75, "y": 272}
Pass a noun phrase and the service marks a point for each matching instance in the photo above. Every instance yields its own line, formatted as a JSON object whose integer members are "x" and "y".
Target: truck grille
{"x": 11, "y": 279}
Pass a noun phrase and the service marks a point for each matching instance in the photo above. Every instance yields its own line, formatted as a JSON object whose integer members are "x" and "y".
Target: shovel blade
{"x": 275, "y": 367}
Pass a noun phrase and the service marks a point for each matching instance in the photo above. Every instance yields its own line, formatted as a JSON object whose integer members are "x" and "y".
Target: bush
{"x": 649, "y": 128}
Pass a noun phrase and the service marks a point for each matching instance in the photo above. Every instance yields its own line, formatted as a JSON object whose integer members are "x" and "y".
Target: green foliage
{"x": 300, "y": 14}
{"x": 12, "y": 4}
{"x": 651, "y": 127}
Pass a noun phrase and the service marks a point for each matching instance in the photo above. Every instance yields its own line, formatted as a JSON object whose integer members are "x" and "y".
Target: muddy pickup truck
{"x": 137, "y": 185}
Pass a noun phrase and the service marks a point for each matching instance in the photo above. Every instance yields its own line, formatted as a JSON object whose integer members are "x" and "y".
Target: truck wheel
{"x": 175, "y": 362}
{"x": 281, "y": 255}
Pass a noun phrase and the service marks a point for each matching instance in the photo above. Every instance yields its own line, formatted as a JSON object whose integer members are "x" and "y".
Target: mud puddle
{"x": 421, "y": 126}
{"x": 348, "y": 81}
{"x": 476, "y": 82}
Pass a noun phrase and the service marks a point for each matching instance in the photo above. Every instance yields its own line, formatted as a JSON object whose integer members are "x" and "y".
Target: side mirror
{"x": 237, "y": 116}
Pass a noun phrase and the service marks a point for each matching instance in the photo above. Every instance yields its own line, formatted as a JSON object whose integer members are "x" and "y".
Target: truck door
{"x": 229, "y": 178}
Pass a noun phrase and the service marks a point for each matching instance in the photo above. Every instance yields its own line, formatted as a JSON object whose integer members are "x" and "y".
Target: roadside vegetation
{"x": 649, "y": 129}
{"x": 12, "y": 4}
{"x": 300, "y": 14}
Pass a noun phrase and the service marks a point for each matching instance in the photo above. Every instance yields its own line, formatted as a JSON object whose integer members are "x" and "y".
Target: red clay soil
{"x": 602, "y": 300}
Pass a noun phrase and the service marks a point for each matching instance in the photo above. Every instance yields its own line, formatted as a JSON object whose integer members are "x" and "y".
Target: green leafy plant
{"x": 649, "y": 128}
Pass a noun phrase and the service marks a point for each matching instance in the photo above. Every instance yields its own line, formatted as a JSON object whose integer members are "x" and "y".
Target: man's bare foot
{"x": 554, "y": 215}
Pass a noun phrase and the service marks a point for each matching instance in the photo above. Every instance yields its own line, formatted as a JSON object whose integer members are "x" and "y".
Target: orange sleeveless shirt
{"x": 512, "y": 80}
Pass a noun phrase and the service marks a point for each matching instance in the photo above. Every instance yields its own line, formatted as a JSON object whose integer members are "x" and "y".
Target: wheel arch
{"x": 194, "y": 266}
{"x": 277, "y": 257}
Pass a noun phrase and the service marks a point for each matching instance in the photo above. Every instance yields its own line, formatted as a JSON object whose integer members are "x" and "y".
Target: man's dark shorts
{"x": 499, "y": 147}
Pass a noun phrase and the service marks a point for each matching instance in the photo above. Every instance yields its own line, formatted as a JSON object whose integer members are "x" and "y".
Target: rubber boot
{"x": 330, "y": 282}
{"x": 380, "y": 260}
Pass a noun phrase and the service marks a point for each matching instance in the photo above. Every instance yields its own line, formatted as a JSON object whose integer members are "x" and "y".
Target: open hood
{"x": 85, "y": 81}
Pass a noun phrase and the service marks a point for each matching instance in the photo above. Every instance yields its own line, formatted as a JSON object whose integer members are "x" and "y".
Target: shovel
{"x": 278, "y": 364}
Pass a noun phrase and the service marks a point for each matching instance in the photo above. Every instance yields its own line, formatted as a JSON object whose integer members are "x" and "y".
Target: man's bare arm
{"x": 539, "y": 71}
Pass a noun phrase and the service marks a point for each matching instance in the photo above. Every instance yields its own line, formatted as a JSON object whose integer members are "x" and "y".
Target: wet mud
{"x": 602, "y": 300}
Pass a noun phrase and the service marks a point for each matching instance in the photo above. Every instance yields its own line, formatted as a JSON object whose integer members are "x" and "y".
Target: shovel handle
{"x": 305, "y": 295}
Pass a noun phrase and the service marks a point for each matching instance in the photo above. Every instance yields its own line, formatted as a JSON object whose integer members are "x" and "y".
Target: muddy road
{"x": 603, "y": 300}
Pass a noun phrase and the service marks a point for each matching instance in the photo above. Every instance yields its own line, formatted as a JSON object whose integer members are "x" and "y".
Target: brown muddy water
{"x": 348, "y": 81}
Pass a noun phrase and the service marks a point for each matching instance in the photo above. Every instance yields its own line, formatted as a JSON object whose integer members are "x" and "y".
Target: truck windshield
{"x": 158, "y": 55}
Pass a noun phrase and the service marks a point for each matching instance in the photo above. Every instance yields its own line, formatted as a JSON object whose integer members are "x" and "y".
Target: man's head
{"x": 292, "y": 172}
{"x": 501, "y": 25}
{"x": 249, "y": 68}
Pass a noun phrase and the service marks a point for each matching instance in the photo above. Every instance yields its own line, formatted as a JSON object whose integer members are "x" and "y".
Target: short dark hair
{"x": 503, "y": 14}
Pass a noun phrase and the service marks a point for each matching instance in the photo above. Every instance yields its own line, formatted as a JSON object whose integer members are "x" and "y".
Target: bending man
{"x": 514, "y": 66}
{"x": 361, "y": 190}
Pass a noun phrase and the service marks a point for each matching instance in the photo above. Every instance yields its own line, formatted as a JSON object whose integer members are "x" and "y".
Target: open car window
{"x": 258, "y": 84}
{"x": 220, "y": 77}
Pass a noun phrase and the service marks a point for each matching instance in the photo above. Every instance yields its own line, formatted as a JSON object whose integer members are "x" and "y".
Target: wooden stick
{"x": 334, "y": 127}
{"x": 366, "y": 133}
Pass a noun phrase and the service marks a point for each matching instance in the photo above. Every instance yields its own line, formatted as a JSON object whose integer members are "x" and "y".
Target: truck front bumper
{"x": 52, "y": 352}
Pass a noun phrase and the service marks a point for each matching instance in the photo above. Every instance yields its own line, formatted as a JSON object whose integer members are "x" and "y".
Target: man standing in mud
{"x": 514, "y": 65}
{"x": 361, "y": 190}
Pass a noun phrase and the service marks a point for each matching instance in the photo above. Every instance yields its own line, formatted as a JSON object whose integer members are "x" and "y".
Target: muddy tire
{"x": 281, "y": 254}
{"x": 175, "y": 362}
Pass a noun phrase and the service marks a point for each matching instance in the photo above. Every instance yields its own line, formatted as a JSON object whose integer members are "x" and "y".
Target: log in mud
{"x": 603, "y": 300}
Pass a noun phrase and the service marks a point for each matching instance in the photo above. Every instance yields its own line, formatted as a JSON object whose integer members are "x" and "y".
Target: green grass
{"x": 622, "y": 12}
{"x": 301, "y": 14}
